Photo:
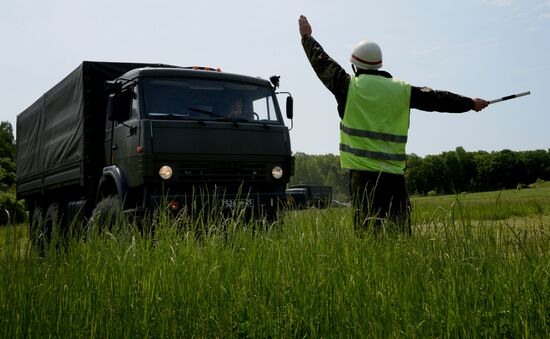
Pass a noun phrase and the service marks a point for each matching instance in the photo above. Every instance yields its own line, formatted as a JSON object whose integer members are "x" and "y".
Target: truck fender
{"x": 113, "y": 178}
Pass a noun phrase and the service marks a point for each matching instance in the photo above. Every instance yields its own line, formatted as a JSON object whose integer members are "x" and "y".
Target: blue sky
{"x": 478, "y": 48}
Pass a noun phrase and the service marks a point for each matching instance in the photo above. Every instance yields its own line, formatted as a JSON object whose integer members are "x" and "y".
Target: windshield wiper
{"x": 203, "y": 111}
{"x": 235, "y": 121}
{"x": 177, "y": 117}
{"x": 265, "y": 126}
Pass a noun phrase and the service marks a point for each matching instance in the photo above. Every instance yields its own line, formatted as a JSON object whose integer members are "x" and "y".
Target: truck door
{"x": 125, "y": 140}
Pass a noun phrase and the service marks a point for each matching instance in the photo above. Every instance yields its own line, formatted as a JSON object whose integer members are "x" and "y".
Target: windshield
{"x": 206, "y": 99}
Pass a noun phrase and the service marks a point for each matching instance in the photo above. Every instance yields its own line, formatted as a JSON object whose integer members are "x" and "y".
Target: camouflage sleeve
{"x": 331, "y": 74}
{"x": 427, "y": 99}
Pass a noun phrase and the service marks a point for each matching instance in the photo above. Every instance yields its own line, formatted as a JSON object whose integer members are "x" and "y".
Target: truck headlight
{"x": 277, "y": 172}
{"x": 165, "y": 172}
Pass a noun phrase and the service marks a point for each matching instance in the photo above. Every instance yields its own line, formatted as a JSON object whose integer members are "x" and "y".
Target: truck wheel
{"x": 36, "y": 229}
{"x": 271, "y": 216}
{"x": 55, "y": 224}
{"x": 106, "y": 214}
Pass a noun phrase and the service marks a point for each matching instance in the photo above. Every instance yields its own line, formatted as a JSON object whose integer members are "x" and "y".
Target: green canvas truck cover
{"x": 65, "y": 127}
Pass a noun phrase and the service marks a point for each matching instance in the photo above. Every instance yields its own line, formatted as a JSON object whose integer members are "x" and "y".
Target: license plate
{"x": 237, "y": 203}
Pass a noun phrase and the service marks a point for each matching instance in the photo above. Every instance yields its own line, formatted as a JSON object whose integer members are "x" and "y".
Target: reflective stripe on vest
{"x": 373, "y": 155}
{"x": 373, "y": 133}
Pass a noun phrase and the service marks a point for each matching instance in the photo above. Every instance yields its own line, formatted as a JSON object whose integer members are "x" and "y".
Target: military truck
{"x": 126, "y": 137}
{"x": 306, "y": 196}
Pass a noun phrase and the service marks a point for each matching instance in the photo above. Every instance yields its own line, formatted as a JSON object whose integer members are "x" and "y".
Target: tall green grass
{"x": 308, "y": 276}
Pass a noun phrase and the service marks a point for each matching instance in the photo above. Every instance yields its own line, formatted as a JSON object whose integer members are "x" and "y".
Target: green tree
{"x": 7, "y": 143}
{"x": 537, "y": 164}
{"x": 7, "y": 156}
{"x": 500, "y": 170}
{"x": 430, "y": 174}
{"x": 411, "y": 173}
{"x": 8, "y": 201}
{"x": 468, "y": 169}
{"x": 461, "y": 169}
{"x": 455, "y": 179}
{"x": 7, "y": 174}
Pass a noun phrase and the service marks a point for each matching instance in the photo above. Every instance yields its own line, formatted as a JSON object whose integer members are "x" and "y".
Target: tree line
{"x": 446, "y": 173}
{"x": 460, "y": 171}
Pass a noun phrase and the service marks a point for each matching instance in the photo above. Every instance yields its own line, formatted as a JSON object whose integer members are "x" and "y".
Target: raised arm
{"x": 331, "y": 74}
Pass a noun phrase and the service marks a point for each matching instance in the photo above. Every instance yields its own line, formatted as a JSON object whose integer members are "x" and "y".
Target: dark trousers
{"x": 380, "y": 200}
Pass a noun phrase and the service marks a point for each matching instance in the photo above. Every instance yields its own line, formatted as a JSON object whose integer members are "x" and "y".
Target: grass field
{"x": 477, "y": 265}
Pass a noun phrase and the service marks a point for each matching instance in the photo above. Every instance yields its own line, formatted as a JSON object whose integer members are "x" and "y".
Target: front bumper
{"x": 208, "y": 203}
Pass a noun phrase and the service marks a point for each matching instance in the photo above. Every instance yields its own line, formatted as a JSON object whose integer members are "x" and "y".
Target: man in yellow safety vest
{"x": 375, "y": 110}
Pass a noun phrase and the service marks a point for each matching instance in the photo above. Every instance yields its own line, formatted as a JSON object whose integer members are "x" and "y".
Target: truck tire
{"x": 55, "y": 225}
{"x": 36, "y": 229}
{"x": 107, "y": 213}
{"x": 271, "y": 216}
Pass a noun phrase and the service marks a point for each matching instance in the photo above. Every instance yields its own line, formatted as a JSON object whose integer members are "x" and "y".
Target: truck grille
{"x": 220, "y": 171}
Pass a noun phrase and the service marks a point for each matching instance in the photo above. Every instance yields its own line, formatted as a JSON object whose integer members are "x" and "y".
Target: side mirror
{"x": 289, "y": 107}
{"x": 113, "y": 105}
{"x": 118, "y": 106}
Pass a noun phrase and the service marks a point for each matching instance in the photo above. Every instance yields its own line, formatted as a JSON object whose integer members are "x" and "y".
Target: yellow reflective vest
{"x": 373, "y": 133}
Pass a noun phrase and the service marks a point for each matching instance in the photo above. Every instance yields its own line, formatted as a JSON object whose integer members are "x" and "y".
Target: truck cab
{"x": 186, "y": 136}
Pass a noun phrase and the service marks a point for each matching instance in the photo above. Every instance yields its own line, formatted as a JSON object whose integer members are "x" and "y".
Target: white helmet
{"x": 366, "y": 55}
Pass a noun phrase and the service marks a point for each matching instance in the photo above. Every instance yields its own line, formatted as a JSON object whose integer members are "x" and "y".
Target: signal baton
{"x": 513, "y": 96}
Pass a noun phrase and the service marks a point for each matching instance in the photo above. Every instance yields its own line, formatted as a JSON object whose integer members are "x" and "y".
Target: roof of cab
{"x": 189, "y": 72}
